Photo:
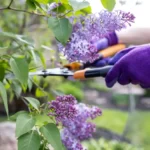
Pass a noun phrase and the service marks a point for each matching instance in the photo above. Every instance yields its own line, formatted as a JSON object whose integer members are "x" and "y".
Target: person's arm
{"x": 134, "y": 36}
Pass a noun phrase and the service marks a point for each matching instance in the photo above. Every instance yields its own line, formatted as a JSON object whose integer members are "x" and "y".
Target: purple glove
{"x": 109, "y": 40}
{"x": 131, "y": 65}
{"x": 111, "y": 61}
{"x": 100, "y": 62}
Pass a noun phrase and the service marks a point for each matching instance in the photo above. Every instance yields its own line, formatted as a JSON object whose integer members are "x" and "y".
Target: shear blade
{"x": 53, "y": 72}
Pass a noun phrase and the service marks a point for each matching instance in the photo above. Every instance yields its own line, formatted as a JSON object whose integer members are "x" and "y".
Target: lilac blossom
{"x": 88, "y": 30}
{"x": 63, "y": 107}
{"x": 79, "y": 126}
{"x": 70, "y": 141}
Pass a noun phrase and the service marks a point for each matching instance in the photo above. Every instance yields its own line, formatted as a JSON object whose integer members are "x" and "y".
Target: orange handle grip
{"x": 92, "y": 73}
{"x": 110, "y": 51}
{"x": 73, "y": 66}
{"x": 79, "y": 74}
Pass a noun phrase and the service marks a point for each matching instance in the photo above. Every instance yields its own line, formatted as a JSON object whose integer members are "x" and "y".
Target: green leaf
{"x": 4, "y": 97}
{"x": 61, "y": 28}
{"x": 30, "y": 84}
{"x": 3, "y": 48}
{"x": 29, "y": 141}
{"x": 51, "y": 133}
{"x": 40, "y": 93}
{"x": 14, "y": 117}
{"x": 2, "y": 72}
{"x": 64, "y": 1}
{"x": 34, "y": 57}
{"x": 43, "y": 1}
{"x": 41, "y": 119}
{"x": 24, "y": 40}
{"x": 84, "y": 11}
{"x": 16, "y": 87}
{"x": 20, "y": 38}
{"x": 78, "y": 4}
{"x": 60, "y": 9}
{"x": 7, "y": 34}
{"x": 31, "y": 4}
{"x": 108, "y": 4}
{"x": 38, "y": 5}
{"x": 34, "y": 102}
{"x": 40, "y": 55}
{"x": 19, "y": 67}
{"x": 24, "y": 124}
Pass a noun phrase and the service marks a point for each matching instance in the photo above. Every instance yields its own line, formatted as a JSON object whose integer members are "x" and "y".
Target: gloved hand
{"x": 109, "y": 60}
{"x": 131, "y": 65}
{"x": 109, "y": 40}
{"x": 100, "y": 62}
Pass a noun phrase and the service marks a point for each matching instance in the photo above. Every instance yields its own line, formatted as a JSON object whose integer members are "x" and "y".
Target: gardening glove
{"x": 131, "y": 65}
{"x": 109, "y": 40}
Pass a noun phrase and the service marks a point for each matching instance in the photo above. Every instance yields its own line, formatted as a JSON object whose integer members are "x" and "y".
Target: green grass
{"x": 138, "y": 131}
{"x": 112, "y": 119}
{"x": 103, "y": 144}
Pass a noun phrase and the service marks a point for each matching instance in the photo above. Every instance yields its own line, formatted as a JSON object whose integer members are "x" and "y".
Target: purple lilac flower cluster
{"x": 51, "y": 7}
{"x": 63, "y": 107}
{"x": 87, "y": 30}
{"x": 75, "y": 122}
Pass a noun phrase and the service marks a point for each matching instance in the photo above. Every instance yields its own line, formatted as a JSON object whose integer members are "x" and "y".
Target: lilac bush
{"x": 74, "y": 117}
{"x": 87, "y": 30}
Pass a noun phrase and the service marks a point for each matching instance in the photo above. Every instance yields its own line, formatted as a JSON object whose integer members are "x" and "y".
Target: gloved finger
{"x": 144, "y": 86}
{"x": 123, "y": 79}
{"x": 102, "y": 44}
{"x": 119, "y": 55}
{"x": 113, "y": 75}
{"x": 134, "y": 81}
{"x": 100, "y": 62}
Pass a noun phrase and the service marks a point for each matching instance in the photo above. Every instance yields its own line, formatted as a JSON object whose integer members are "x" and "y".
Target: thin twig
{"x": 7, "y": 6}
{"x": 23, "y": 99}
{"x": 10, "y": 4}
{"x": 23, "y": 22}
{"x": 32, "y": 13}
{"x": 20, "y": 10}
{"x": 3, "y": 8}
{"x": 14, "y": 9}
{"x": 46, "y": 94}
{"x": 65, "y": 13}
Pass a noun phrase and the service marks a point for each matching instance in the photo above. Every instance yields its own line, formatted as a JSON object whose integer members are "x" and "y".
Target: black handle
{"x": 88, "y": 64}
{"x": 97, "y": 72}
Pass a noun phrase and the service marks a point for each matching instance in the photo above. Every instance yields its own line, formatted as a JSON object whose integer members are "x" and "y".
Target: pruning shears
{"x": 80, "y": 71}
{"x": 80, "y": 74}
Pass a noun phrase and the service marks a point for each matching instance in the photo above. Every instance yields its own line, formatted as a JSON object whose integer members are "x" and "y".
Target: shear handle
{"x": 91, "y": 73}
